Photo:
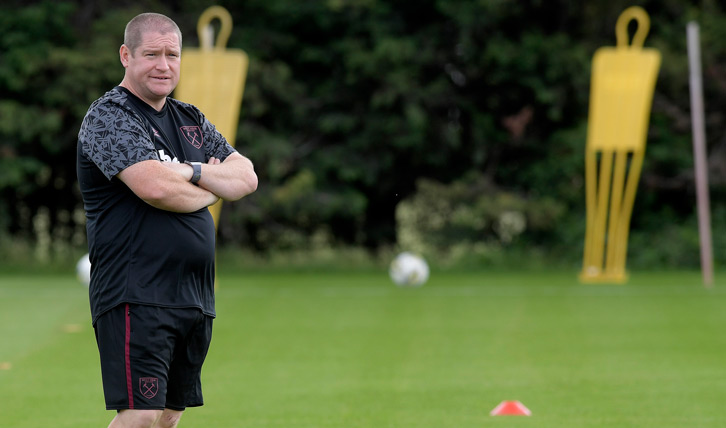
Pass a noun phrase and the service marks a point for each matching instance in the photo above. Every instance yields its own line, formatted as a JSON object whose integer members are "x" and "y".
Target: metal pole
{"x": 699, "y": 152}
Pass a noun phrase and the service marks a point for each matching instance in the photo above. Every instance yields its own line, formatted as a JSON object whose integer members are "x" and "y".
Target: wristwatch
{"x": 197, "y": 171}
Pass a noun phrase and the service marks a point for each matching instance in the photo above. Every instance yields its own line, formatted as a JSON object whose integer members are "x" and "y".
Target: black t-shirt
{"x": 141, "y": 254}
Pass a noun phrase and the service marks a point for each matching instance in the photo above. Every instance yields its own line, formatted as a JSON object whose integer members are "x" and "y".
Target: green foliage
{"x": 49, "y": 73}
{"x": 385, "y": 93}
{"x": 470, "y": 217}
{"x": 350, "y": 104}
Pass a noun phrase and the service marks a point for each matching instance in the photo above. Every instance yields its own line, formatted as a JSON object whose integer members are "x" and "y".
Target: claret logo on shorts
{"x": 149, "y": 386}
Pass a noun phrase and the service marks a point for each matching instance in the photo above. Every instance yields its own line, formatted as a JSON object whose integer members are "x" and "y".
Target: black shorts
{"x": 151, "y": 357}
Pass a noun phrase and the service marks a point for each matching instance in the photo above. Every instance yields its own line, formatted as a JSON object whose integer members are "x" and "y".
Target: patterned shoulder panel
{"x": 113, "y": 136}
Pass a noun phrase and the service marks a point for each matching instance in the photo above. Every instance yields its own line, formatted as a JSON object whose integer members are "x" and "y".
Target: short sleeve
{"x": 113, "y": 138}
{"x": 215, "y": 143}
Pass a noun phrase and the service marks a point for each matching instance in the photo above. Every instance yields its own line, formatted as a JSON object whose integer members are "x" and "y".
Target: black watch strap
{"x": 197, "y": 171}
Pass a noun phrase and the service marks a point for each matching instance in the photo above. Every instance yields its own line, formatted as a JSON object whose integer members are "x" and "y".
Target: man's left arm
{"x": 231, "y": 180}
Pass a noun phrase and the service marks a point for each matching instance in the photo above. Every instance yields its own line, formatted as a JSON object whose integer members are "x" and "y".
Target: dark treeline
{"x": 445, "y": 125}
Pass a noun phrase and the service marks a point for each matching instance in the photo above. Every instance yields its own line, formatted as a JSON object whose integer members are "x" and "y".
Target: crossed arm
{"x": 165, "y": 185}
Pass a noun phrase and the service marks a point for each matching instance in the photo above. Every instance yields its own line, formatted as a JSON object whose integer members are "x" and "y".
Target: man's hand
{"x": 232, "y": 179}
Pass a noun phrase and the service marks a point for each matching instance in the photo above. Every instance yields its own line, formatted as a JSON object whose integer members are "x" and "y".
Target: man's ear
{"x": 124, "y": 54}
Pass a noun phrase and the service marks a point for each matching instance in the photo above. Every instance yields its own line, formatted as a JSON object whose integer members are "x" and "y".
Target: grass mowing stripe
{"x": 34, "y": 309}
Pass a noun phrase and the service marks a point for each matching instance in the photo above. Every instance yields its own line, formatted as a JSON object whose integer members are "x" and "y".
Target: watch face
{"x": 196, "y": 171}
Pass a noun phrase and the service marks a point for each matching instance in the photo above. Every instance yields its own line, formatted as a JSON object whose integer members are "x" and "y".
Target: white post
{"x": 699, "y": 152}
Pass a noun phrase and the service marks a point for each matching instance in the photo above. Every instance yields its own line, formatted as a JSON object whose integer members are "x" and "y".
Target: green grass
{"x": 351, "y": 350}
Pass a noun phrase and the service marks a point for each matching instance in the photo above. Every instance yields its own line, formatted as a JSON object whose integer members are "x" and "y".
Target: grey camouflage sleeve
{"x": 114, "y": 139}
{"x": 215, "y": 143}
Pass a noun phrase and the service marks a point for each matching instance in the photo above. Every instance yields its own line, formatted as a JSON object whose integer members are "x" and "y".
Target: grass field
{"x": 352, "y": 350}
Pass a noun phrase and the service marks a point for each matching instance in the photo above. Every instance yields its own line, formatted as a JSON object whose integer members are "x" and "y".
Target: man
{"x": 148, "y": 168}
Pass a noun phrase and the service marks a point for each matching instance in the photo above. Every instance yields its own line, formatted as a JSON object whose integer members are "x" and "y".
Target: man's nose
{"x": 162, "y": 63}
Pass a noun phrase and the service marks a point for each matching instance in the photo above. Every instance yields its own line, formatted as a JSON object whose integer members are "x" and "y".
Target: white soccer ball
{"x": 83, "y": 270}
{"x": 409, "y": 270}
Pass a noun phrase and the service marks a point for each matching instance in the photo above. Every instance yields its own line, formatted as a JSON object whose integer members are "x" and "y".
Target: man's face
{"x": 152, "y": 71}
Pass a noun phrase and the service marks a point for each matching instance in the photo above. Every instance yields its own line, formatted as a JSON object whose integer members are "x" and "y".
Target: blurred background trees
{"x": 452, "y": 127}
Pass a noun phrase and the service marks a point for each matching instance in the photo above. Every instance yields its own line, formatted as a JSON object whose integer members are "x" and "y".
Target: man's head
{"x": 151, "y": 54}
{"x": 146, "y": 22}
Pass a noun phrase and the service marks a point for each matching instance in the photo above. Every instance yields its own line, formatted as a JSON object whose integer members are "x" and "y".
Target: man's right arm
{"x": 163, "y": 188}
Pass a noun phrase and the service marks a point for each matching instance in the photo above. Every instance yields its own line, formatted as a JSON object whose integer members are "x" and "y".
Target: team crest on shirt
{"x": 193, "y": 135}
{"x": 149, "y": 386}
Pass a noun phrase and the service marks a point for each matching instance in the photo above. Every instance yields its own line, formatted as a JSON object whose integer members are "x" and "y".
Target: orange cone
{"x": 511, "y": 408}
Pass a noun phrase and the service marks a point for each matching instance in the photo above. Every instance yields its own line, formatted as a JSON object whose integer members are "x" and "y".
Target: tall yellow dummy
{"x": 621, "y": 94}
{"x": 213, "y": 78}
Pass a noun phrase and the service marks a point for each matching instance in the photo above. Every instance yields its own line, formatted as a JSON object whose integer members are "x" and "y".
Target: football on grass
{"x": 83, "y": 270}
{"x": 409, "y": 270}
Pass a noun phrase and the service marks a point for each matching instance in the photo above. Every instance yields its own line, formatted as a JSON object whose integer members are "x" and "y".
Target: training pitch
{"x": 352, "y": 350}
